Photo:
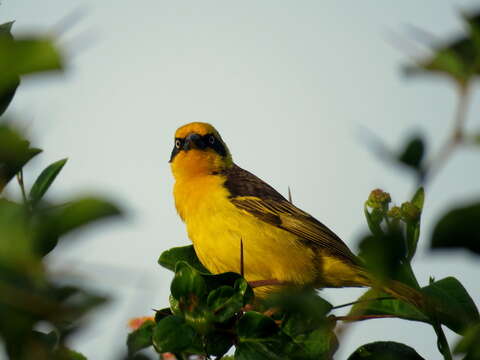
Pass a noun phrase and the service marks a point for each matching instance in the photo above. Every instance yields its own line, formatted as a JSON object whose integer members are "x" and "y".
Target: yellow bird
{"x": 223, "y": 205}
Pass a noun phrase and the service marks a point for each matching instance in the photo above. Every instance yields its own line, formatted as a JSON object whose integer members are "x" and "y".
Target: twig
{"x": 442, "y": 342}
{"x": 22, "y": 186}
{"x": 258, "y": 283}
{"x": 362, "y": 301}
{"x": 68, "y": 21}
{"x": 361, "y": 317}
{"x": 456, "y": 137}
{"x": 242, "y": 264}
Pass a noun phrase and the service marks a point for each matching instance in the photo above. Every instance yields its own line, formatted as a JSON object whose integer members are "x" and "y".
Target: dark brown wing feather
{"x": 253, "y": 195}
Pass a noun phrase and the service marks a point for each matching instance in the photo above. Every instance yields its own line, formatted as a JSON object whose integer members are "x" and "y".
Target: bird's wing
{"x": 259, "y": 199}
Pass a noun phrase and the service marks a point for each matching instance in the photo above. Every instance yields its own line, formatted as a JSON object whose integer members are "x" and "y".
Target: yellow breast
{"x": 216, "y": 228}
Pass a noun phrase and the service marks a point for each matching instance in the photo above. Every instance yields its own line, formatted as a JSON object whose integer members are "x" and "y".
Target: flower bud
{"x": 395, "y": 213}
{"x": 378, "y": 199}
{"x": 410, "y": 212}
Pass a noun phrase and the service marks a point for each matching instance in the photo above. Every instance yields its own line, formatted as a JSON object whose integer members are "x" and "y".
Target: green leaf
{"x": 319, "y": 343}
{"x": 385, "y": 350}
{"x": 224, "y": 279}
{"x": 218, "y": 343}
{"x": 458, "y": 229}
{"x": 374, "y": 220}
{"x": 160, "y": 314}
{"x": 304, "y": 321}
{"x": 175, "y": 306}
{"x": 52, "y": 223}
{"x": 44, "y": 181}
{"x": 16, "y": 250}
{"x": 7, "y": 93}
{"x": 75, "y": 304}
{"x": 83, "y": 211}
{"x": 141, "y": 338}
{"x": 470, "y": 344}
{"x": 413, "y": 153}
{"x": 259, "y": 350}
{"x": 385, "y": 255}
{"x": 187, "y": 283}
{"x": 169, "y": 258}
{"x": 225, "y": 301}
{"x": 453, "y": 305}
{"x": 254, "y": 325}
{"x": 23, "y": 56}
{"x": 15, "y": 152}
{"x": 258, "y": 338}
{"x": 413, "y": 224}
{"x": 457, "y": 59}
{"x": 50, "y": 340}
{"x": 63, "y": 353}
{"x": 368, "y": 305}
{"x": 189, "y": 289}
{"x": 302, "y": 311}
{"x": 419, "y": 198}
{"x": 34, "y": 54}
{"x": 172, "y": 335}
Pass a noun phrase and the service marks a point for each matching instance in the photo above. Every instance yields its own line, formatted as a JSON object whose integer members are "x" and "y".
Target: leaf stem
{"x": 362, "y": 301}
{"x": 22, "y": 186}
{"x": 442, "y": 342}
{"x": 456, "y": 137}
{"x": 361, "y": 317}
{"x": 413, "y": 282}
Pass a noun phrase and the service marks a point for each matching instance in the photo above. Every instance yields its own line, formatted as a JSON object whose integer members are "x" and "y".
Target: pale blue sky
{"x": 288, "y": 85}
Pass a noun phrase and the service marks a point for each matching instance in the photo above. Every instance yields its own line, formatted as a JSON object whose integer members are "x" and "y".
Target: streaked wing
{"x": 253, "y": 195}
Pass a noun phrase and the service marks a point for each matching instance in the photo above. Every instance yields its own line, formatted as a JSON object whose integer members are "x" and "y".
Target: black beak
{"x": 194, "y": 141}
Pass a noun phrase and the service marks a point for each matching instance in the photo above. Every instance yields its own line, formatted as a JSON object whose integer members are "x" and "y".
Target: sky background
{"x": 290, "y": 85}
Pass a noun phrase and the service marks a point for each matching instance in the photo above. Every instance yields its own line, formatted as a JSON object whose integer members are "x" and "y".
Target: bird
{"x": 239, "y": 223}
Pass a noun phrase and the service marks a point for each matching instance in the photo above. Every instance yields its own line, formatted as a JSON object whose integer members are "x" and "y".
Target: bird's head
{"x": 198, "y": 150}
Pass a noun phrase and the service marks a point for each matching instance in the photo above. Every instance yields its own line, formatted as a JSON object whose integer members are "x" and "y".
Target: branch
{"x": 442, "y": 342}
{"x": 361, "y": 317}
{"x": 456, "y": 137}
{"x": 269, "y": 282}
{"x": 242, "y": 264}
{"x": 362, "y": 301}
{"x": 22, "y": 186}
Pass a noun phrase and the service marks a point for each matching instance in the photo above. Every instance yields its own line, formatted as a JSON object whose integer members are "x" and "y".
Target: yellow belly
{"x": 216, "y": 228}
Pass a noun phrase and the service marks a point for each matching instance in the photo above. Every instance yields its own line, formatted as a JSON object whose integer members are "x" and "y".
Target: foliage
{"x": 32, "y": 227}
{"x": 385, "y": 350}
{"x": 210, "y": 314}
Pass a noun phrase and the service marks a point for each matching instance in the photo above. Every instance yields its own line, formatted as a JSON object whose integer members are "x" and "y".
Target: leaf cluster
{"x": 209, "y": 314}
{"x": 31, "y": 228}
{"x": 388, "y": 252}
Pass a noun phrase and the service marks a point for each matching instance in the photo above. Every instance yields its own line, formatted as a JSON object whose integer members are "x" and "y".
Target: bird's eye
{"x": 178, "y": 143}
{"x": 211, "y": 139}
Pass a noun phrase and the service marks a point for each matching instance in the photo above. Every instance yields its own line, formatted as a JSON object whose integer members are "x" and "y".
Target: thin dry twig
{"x": 242, "y": 263}
{"x": 455, "y": 139}
{"x": 361, "y": 317}
{"x": 22, "y": 186}
{"x": 362, "y": 301}
{"x": 269, "y": 282}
